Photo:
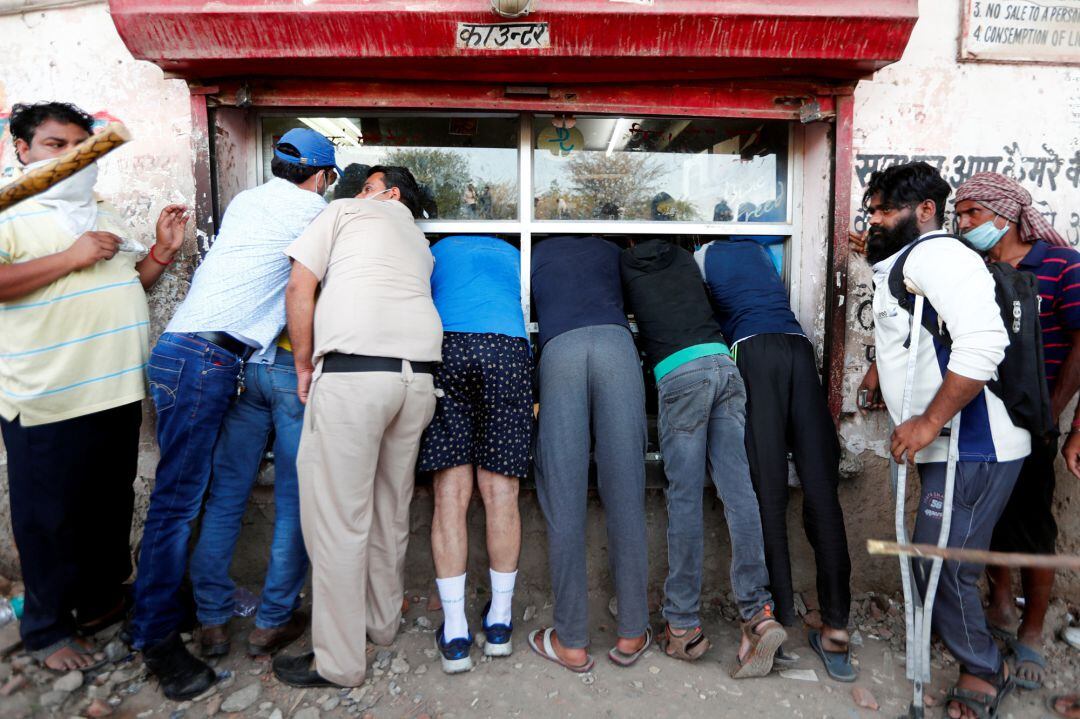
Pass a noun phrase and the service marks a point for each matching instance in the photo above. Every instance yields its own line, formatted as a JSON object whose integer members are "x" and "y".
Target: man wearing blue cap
{"x": 224, "y": 340}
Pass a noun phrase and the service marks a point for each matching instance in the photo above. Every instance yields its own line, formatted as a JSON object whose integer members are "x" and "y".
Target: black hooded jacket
{"x": 662, "y": 287}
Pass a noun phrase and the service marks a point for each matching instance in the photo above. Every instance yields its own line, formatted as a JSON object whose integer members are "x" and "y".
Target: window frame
{"x": 525, "y": 227}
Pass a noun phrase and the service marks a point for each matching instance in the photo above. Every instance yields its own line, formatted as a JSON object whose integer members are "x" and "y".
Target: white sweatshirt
{"x": 957, "y": 285}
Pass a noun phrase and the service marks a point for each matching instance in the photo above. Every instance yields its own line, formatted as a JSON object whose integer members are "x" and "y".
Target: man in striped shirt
{"x": 73, "y": 323}
{"x": 996, "y": 216}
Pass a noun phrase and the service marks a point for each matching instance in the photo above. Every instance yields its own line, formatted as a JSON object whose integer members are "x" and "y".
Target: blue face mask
{"x": 985, "y": 236}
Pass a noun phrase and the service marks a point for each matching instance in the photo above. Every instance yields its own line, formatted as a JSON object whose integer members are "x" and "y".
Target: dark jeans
{"x": 786, "y": 407}
{"x": 702, "y": 413}
{"x": 269, "y": 401}
{"x": 979, "y": 496}
{"x": 193, "y": 383}
{"x": 71, "y": 504}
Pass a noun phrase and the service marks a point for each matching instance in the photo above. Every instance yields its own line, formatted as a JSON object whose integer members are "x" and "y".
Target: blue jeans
{"x": 269, "y": 401}
{"x": 192, "y": 383}
{"x": 701, "y": 424}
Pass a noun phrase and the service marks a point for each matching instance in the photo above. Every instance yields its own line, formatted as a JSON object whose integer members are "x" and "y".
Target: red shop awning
{"x": 584, "y": 41}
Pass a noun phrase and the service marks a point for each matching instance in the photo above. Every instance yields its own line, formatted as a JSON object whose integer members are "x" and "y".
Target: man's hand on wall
{"x": 869, "y": 394}
{"x": 857, "y": 241}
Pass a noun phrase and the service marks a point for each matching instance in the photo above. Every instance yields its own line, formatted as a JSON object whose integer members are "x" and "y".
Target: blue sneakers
{"x": 497, "y": 636}
{"x": 455, "y": 653}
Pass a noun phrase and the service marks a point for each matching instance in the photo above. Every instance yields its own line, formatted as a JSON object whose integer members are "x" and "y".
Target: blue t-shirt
{"x": 576, "y": 283}
{"x": 476, "y": 285}
{"x": 749, "y": 296}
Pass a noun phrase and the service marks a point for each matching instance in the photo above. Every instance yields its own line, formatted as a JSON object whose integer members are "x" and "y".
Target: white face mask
{"x": 372, "y": 197}
{"x": 72, "y": 199}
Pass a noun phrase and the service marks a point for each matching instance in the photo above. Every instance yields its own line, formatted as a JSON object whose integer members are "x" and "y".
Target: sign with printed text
{"x": 1040, "y": 31}
{"x": 502, "y": 36}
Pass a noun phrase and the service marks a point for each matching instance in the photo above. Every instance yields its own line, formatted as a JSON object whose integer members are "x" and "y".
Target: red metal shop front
{"x": 750, "y": 101}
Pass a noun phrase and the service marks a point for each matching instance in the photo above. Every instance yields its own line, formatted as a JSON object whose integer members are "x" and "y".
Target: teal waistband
{"x": 677, "y": 359}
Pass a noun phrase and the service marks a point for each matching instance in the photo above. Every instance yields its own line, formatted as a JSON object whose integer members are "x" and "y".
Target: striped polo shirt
{"x": 76, "y": 346}
{"x": 1058, "y": 271}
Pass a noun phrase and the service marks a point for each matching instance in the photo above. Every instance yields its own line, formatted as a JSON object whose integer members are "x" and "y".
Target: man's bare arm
{"x": 300, "y": 316}
{"x": 20, "y": 279}
{"x": 955, "y": 393}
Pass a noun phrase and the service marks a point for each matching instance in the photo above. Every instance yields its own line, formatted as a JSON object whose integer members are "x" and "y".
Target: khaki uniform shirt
{"x": 375, "y": 267}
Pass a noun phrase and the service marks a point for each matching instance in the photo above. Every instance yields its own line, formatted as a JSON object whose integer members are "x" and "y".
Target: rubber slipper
{"x": 1001, "y": 633}
{"x": 837, "y": 664}
{"x": 548, "y": 652}
{"x": 1071, "y": 636}
{"x": 40, "y": 655}
{"x": 1023, "y": 654}
{"x": 1051, "y": 703}
{"x": 783, "y": 659}
{"x": 623, "y": 659}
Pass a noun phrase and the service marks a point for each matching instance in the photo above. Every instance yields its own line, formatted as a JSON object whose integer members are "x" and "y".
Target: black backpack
{"x": 1021, "y": 383}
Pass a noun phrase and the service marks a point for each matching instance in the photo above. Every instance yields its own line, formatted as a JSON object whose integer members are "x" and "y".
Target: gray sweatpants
{"x": 981, "y": 491}
{"x": 590, "y": 378}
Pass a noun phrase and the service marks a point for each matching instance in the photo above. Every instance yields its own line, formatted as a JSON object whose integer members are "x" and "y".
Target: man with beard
{"x": 906, "y": 204}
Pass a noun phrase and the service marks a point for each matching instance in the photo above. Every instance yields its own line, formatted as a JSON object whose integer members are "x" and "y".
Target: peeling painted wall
{"x": 964, "y": 118}
{"x": 75, "y": 55}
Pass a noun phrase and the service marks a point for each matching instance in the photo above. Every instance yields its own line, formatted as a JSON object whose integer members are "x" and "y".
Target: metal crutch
{"x": 918, "y": 610}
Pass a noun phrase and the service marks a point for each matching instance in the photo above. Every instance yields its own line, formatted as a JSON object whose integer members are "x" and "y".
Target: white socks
{"x": 502, "y": 597}
{"x": 452, "y": 594}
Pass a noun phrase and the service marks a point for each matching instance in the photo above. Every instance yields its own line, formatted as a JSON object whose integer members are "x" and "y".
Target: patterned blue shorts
{"x": 484, "y": 416}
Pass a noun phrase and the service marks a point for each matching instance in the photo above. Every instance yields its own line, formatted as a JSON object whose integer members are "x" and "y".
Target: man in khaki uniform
{"x": 364, "y": 361}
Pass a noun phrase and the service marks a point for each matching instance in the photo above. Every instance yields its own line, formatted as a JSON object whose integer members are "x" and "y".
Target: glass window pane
{"x": 466, "y": 166}
{"x": 607, "y": 168}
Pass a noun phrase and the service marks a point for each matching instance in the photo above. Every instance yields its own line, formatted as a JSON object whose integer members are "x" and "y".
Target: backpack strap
{"x": 906, "y": 300}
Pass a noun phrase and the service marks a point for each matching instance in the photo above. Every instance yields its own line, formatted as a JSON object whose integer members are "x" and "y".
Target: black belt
{"x": 338, "y": 362}
{"x": 228, "y": 343}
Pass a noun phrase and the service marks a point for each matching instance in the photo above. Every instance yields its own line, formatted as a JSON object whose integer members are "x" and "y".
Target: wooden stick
{"x": 60, "y": 168}
{"x": 974, "y": 556}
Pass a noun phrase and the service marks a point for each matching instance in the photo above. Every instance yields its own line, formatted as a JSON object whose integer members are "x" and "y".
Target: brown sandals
{"x": 759, "y": 660}
{"x": 688, "y": 646}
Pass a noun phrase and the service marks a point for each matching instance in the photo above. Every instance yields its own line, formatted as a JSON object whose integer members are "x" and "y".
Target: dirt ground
{"x": 406, "y": 680}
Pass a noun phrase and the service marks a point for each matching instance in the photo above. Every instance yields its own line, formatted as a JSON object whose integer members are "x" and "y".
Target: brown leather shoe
{"x": 268, "y": 641}
{"x": 214, "y": 640}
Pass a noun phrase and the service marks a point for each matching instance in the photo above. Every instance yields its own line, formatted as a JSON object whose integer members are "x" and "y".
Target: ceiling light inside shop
{"x": 339, "y": 130}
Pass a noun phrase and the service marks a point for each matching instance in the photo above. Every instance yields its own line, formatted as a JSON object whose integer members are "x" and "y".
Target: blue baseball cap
{"x": 315, "y": 150}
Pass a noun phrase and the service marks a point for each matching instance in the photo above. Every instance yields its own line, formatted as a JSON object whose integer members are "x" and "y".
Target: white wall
{"x": 75, "y": 55}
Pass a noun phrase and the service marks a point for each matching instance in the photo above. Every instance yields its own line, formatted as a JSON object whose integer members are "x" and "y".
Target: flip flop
{"x": 623, "y": 659}
{"x": 1001, "y": 633}
{"x": 1023, "y": 654}
{"x": 837, "y": 664}
{"x": 783, "y": 659}
{"x": 548, "y": 652}
{"x": 40, "y": 655}
{"x": 1051, "y": 703}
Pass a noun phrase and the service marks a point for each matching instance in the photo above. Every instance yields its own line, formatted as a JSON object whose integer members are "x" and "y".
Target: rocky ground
{"x": 406, "y": 681}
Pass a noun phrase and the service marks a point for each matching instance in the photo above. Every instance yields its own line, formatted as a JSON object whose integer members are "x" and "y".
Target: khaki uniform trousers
{"x": 356, "y": 468}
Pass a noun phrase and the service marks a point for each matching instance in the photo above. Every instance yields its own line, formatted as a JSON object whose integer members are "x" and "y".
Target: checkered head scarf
{"x": 1007, "y": 198}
